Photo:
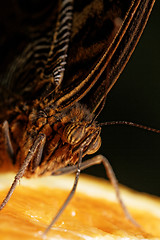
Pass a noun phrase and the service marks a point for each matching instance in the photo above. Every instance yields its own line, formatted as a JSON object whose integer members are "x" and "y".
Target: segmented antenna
{"x": 130, "y": 124}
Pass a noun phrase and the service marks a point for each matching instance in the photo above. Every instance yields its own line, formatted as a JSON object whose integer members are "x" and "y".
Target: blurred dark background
{"x": 135, "y": 153}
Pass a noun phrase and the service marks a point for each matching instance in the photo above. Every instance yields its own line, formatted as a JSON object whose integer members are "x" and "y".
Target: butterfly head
{"x": 86, "y": 136}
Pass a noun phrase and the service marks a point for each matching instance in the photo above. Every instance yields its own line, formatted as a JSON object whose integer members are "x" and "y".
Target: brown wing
{"x": 104, "y": 34}
{"x": 26, "y": 34}
{"x": 100, "y": 48}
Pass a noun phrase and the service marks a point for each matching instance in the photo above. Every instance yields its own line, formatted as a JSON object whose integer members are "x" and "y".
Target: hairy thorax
{"x": 66, "y": 133}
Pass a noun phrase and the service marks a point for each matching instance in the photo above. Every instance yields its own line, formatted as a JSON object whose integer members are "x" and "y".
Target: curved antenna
{"x": 130, "y": 124}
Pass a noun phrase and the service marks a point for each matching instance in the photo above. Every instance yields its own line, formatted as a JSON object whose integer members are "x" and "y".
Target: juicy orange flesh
{"x": 29, "y": 211}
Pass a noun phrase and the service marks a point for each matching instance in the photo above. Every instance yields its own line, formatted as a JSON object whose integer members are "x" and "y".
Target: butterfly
{"x": 59, "y": 62}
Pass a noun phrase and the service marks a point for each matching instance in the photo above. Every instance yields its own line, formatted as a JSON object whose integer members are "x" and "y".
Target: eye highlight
{"x": 74, "y": 132}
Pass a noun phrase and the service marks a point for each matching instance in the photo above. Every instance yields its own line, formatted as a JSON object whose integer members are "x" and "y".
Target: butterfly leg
{"x": 77, "y": 170}
{"x": 110, "y": 173}
{"x": 7, "y": 139}
{"x": 36, "y": 148}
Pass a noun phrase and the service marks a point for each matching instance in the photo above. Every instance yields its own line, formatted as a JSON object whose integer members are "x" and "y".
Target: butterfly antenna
{"x": 130, "y": 124}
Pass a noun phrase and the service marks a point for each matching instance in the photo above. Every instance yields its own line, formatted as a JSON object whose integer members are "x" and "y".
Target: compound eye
{"x": 74, "y": 132}
{"x": 94, "y": 145}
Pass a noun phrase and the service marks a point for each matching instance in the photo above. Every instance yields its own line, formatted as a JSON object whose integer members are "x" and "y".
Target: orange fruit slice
{"x": 93, "y": 213}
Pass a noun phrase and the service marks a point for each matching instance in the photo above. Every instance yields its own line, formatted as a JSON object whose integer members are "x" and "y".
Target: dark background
{"x": 135, "y": 153}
